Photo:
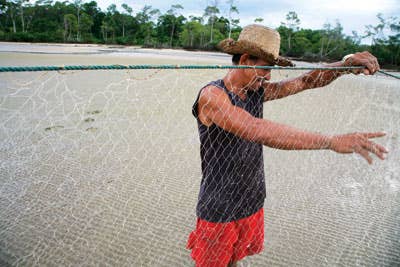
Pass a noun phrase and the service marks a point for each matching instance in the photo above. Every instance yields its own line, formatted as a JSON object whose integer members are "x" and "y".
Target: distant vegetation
{"x": 84, "y": 22}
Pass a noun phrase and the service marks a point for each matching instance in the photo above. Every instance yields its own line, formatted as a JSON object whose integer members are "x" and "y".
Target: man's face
{"x": 255, "y": 77}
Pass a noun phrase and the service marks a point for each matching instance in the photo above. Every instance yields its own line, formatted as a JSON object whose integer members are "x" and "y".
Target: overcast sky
{"x": 352, "y": 14}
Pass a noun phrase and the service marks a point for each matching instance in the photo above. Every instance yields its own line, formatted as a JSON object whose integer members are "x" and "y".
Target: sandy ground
{"x": 130, "y": 52}
{"x": 103, "y": 168}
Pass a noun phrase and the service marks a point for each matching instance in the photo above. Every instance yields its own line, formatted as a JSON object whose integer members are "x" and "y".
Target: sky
{"x": 313, "y": 14}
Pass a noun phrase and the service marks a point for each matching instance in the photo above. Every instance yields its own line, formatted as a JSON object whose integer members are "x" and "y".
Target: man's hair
{"x": 236, "y": 58}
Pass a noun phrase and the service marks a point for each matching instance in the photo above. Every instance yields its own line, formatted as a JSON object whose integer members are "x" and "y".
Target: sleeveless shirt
{"x": 233, "y": 183}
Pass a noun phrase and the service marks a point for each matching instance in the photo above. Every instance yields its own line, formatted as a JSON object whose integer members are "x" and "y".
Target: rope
{"x": 389, "y": 74}
{"x": 143, "y": 67}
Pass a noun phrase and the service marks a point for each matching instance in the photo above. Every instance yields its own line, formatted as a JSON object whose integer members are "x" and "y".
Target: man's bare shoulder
{"x": 212, "y": 90}
{"x": 212, "y": 94}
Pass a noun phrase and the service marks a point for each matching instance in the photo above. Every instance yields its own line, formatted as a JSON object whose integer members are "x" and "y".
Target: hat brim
{"x": 233, "y": 47}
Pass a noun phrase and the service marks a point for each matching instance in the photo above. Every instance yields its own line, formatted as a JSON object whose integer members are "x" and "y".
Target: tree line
{"x": 84, "y": 22}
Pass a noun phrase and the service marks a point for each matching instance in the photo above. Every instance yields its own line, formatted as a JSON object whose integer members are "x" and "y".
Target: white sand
{"x": 103, "y": 168}
{"x": 115, "y": 51}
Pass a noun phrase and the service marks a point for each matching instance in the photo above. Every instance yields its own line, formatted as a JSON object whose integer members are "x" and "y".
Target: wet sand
{"x": 103, "y": 168}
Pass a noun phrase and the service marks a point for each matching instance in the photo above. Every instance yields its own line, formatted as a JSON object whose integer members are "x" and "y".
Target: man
{"x": 230, "y": 223}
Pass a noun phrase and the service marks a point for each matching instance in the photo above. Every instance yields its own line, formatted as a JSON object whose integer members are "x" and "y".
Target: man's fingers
{"x": 366, "y": 71}
{"x": 364, "y": 146}
{"x": 359, "y": 143}
{"x": 357, "y": 71}
{"x": 382, "y": 149}
{"x": 373, "y": 147}
{"x": 372, "y": 64}
{"x": 374, "y": 135}
{"x": 364, "y": 153}
{"x": 367, "y": 60}
{"x": 371, "y": 68}
{"x": 378, "y": 150}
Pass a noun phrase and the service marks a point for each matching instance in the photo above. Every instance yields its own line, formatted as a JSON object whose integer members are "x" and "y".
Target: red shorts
{"x": 217, "y": 244}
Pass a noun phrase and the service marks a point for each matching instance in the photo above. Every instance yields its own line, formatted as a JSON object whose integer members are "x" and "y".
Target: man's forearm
{"x": 309, "y": 80}
{"x": 320, "y": 78}
{"x": 284, "y": 137}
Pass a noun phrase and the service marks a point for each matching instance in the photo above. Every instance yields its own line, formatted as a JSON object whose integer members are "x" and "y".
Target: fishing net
{"x": 103, "y": 168}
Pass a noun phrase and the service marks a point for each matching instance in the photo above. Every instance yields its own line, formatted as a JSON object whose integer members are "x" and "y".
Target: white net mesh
{"x": 103, "y": 168}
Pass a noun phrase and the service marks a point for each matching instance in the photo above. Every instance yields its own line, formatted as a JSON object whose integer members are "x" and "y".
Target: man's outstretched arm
{"x": 320, "y": 78}
{"x": 215, "y": 107}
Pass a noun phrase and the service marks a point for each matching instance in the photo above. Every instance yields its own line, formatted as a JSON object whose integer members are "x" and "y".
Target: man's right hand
{"x": 358, "y": 143}
{"x": 365, "y": 59}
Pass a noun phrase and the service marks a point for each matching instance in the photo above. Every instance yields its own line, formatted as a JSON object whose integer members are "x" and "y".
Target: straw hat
{"x": 259, "y": 41}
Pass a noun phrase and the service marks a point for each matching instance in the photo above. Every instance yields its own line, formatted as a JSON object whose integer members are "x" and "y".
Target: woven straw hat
{"x": 259, "y": 41}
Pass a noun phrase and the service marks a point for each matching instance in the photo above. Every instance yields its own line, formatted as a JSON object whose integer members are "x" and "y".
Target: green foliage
{"x": 123, "y": 41}
{"x": 385, "y": 48}
{"x": 80, "y": 21}
{"x": 330, "y": 44}
{"x": 193, "y": 35}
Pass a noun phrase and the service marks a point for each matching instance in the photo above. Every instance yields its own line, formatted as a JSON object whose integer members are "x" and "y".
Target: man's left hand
{"x": 365, "y": 59}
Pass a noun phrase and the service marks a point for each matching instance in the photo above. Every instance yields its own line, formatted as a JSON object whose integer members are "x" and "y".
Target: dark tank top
{"x": 233, "y": 184}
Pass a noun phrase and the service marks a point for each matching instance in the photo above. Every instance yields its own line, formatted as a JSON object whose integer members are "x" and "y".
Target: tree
{"x": 16, "y": 8}
{"x": 211, "y": 12}
{"x": 78, "y": 5}
{"x": 192, "y": 35}
{"x": 258, "y": 20}
{"x": 127, "y": 9}
{"x": 376, "y": 32}
{"x": 385, "y": 47}
{"x": 3, "y": 8}
{"x": 47, "y": 22}
{"x": 301, "y": 43}
{"x": 292, "y": 23}
{"x": 29, "y": 14}
{"x": 70, "y": 26}
{"x": 97, "y": 16}
{"x": 86, "y": 25}
{"x": 194, "y": 32}
{"x": 173, "y": 12}
{"x": 126, "y": 17}
{"x": 394, "y": 41}
{"x": 109, "y": 23}
{"x": 356, "y": 37}
{"x": 21, "y": 4}
{"x": 221, "y": 25}
{"x": 332, "y": 40}
{"x": 168, "y": 29}
{"x": 146, "y": 25}
{"x": 232, "y": 21}
{"x": 11, "y": 9}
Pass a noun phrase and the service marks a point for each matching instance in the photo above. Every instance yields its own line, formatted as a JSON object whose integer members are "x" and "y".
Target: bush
{"x": 122, "y": 40}
{"x": 20, "y": 37}
{"x": 44, "y": 37}
{"x": 50, "y": 37}
{"x": 309, "y": 56}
